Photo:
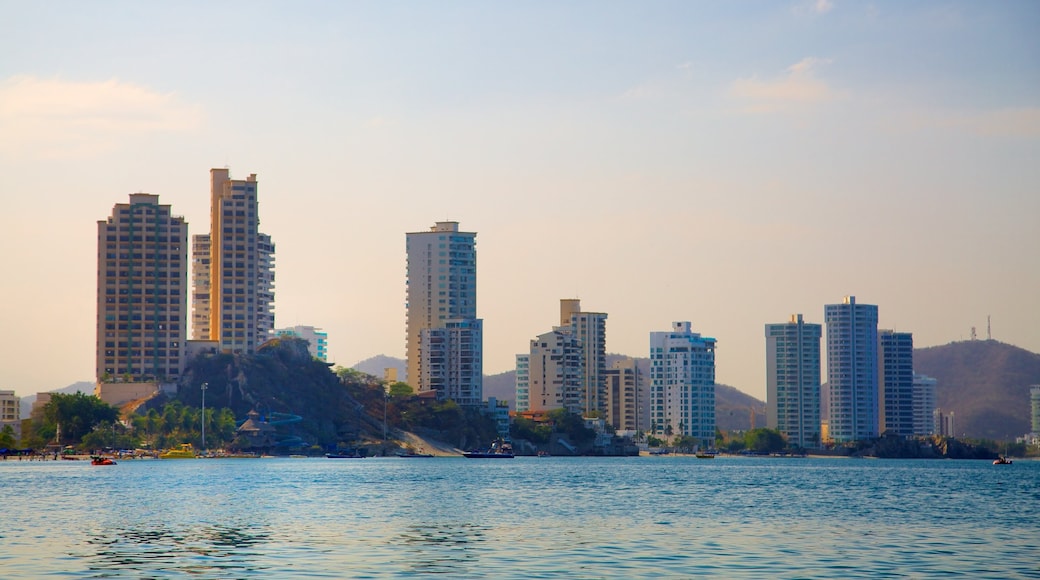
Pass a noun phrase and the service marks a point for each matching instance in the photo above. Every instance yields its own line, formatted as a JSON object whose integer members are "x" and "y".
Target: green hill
{"x": 985, "y": 383}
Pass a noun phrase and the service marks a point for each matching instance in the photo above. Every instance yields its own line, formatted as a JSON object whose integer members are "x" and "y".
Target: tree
{"x": 7, "y": 437}
{"x": 685, "y": 443}
{"x": 77, "y": 414}
{"x": 764, "y": 440}
{"x": 400, "y": 390}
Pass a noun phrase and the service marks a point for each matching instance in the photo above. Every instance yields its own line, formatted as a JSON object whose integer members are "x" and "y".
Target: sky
{"x": 729, "y": 164}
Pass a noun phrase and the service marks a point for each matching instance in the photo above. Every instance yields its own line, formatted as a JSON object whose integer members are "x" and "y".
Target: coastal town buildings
{"x": 142, "y": 291}
{"x": 852, "y": 370}
{"x": 793, "y": 381}
{"x": 317, "y": 339}
{"x": 441, "y": 286}
{"x": 233, "y": 277}
{"x": 896, "y": 382}
{"x": 682, "y": 384}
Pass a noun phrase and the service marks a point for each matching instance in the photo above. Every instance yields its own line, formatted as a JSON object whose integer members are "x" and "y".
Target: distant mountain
{"x": 985, "y": 383}
{"x": 379, "y": 363}
{"x": 501, "y": 386}
{"x": 81, "y": 387}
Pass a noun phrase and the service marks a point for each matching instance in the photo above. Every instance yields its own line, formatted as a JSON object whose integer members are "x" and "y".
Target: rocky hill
{"x": 985, "y": 383}
{"x": 282, "y": 380}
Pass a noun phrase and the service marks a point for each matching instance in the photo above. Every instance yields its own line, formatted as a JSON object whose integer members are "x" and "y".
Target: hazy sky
{"x": 729, "y": 164}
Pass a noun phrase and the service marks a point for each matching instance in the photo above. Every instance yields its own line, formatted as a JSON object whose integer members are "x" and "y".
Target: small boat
{"x": 543, "y": 453}
{"x": 707, "y": 454}
{"x": 98, "y": 460}
{"x": 185, "y": 451}
{"x": 1002, "y": 460}
{"x": 499, "y": 450}
{"x": 412, "y": 453}
{"x": 351, "y": 455}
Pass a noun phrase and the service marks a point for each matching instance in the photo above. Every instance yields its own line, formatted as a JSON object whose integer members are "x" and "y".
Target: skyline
{"x": 729, "y": 166}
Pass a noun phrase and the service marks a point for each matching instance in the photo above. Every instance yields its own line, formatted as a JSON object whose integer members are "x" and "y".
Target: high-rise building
{"x": 142, "y": 292}
{"x": 852, "y": 370}
{"x": 896, "y": 382}
{"x": 793, "y": 381}
{"x": 317, "y": 339}
{"x": 625, "y": 405}
{"x": 590, "y": 328}
{"x": 441, "y": 286}
{"x": 550, "y": 376}
{"x": 924, "y": 404}
{"x": 682, "y": 384}
{"x": 452, "y": 360}
{"x": 233, "y": 295}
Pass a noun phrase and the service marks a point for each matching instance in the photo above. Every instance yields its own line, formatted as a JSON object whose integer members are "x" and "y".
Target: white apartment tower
{"x": 441, "y": 286}
{"x": 896, "y": 382}
{"x": 793, "y": 381}
{"x": 852, "y": 370}
{"x": 924, "y": 404}
{"x": 452, "y": 360}
{"x": 233, "y": 295}
{"x": 682, "y": 384}
{"x": 142, "y": 291}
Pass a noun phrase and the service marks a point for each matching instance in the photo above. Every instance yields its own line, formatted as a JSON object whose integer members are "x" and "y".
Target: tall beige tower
{"x": 441, "y": 286}
{"x": 233, "y": 294}
{"x": 142, "y": 284}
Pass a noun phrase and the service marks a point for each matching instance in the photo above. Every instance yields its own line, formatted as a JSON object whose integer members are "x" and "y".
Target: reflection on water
{"x": 441, "y": 548}
{"x": 197, "y": 549}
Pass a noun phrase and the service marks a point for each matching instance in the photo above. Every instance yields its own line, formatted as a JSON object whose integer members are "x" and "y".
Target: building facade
{"x": 1034, "y": 405}
{"x": 233, "y": 279}
{"x": 453, "y": 360}
{"x": 793, "y": 381}
{"x": 318, "y": 339}
{"x": 10, "y": 407}
{"x": 682, "y": 384}
{"x": 550, "y": 376}
{"x": 943, "y": 423}
{"x": 142, "y": 292}
{"x": 441, "y": 285}
{"x": 625, "y": 405}
{"x": 896, "y": 383}
{"x": 590, "y": 328}
{"x": 852, "y": 370}
{"x": 924, "y": 405}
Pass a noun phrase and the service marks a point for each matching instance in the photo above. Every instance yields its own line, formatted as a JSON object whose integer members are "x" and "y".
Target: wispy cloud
{"x": 57, "y": 118}
{"x": 798, "y": 85}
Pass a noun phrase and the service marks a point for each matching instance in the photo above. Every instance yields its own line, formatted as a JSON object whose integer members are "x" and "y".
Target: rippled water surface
{"x": 528, "y": 517}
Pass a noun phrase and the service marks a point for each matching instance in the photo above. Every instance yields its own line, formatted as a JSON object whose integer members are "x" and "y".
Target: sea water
{"x": 634, "y": 517}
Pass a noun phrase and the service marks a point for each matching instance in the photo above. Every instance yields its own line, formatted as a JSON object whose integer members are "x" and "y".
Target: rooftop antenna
{"x": 973, "y": 334}
{"x": 989, "y": 330}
